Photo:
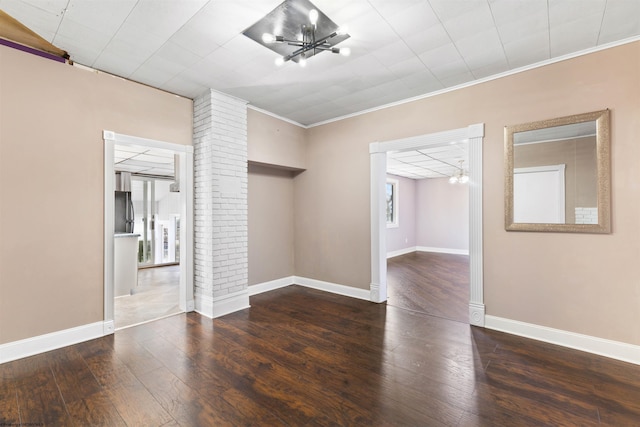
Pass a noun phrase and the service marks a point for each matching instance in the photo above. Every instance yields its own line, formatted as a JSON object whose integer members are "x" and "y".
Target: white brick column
{"x": 220, "y": 199}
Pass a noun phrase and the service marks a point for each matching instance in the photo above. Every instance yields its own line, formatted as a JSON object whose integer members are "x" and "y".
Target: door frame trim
{"x": 474, "y": 134}
{"x": 186, "y": 302}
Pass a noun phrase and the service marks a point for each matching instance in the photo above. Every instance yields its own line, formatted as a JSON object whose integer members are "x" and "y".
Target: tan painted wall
{"x": 51, "y": 184}
{"x": 275, "y": 142}
{"x": 576, "y": 282}
{"x": 271, "y": 251}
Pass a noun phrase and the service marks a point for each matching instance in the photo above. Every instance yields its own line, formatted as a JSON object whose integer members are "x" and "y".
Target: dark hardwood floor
{"x": 301, "y": 357}
{"x": 431, "y": 283}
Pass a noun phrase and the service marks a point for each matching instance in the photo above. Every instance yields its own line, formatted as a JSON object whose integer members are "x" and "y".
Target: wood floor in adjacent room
{"x": 431, "y": 283}
{"x": 156, "y": 296}
{"x": 302, "y": 357}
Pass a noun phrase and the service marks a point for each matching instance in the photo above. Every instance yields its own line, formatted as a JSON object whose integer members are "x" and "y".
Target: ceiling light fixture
{"x": 308, "y": 42}
{"x": 460, "y": 177}
{"x": 297, "y": 30}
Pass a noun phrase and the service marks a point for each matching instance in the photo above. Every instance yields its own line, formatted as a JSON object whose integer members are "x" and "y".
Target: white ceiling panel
{"x": 432, "y": 162}
{"x": 400, "y": 49}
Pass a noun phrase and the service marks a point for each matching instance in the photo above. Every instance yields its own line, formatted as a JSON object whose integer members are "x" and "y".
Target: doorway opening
{"x": 473, "y": 136}
{"x": 148, "y": 266}
{"x": 428, "y": 243}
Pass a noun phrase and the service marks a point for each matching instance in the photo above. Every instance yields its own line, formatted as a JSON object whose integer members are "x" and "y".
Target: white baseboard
{"x": 52, "y": 341}
{"x": 443, "y": 250}
{"x": 270, "y": 285}
{"x": 603, "y": 347}
{"x": 219, "y": 306}
{"x": 399, "y": 252}
{"x": 334, "y": 288}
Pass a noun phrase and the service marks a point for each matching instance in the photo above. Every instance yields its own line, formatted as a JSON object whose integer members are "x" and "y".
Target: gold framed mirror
{"x": 557, "y": 174}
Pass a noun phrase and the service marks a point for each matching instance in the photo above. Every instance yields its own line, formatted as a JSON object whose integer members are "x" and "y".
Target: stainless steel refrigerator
{"x": 124, "y": 213}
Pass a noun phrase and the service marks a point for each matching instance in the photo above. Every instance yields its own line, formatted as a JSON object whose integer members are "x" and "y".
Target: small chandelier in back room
{"x": 460, "y": 176}
{"x": 297, "y": 30}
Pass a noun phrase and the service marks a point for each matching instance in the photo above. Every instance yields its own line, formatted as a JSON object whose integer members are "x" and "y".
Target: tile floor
{"x": 155, "y": 297}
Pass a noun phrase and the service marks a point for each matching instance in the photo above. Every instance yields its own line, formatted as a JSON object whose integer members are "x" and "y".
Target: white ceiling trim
{"x": 276, "y": 116}
{"x": 483, "y": 80}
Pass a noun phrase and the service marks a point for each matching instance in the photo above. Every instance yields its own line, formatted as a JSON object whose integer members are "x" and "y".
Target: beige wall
{"x": 271, "y": 251}
{"x": 275, "y": 142}
{"x": 51, "y": 184}
{"x": 576, "y": 282}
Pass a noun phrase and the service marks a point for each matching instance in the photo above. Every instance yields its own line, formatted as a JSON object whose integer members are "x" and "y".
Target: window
{"x": 392, "y": 203}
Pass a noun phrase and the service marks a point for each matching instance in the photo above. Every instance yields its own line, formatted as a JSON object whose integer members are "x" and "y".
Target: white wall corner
{"x": 191, "y": 306}
{"x": 476, "y": 314}
{"x": 614, "y": 349}
{"x": 222, "y": 305}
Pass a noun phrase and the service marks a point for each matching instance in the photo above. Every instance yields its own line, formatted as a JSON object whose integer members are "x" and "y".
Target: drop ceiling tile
{"x": 199, "y": 35}
{"x": 220, "y": 21}
{"x": 344, "y": 13}
{"x": 528, "y": 50}
{"x": 127, "y": 51}
{"x": 389, "y": 9}
{"x": 372, "y": 29}
{"x": 78, "y": 51}
{"x": 457, "y": 79}
{"x": 160, "y": 159}
{"x": 475, "y": 19}
{"x": 393, "y": 53}
{"x": 184, "y": 86}
{"x": 104, "y": 17}
{"x": 428, "y": 38}
{"x": 159, "y": 171}
{"x": 616, "y": 24}
{"x": 574, "y": 36}
{"x": 408, "y": 67}
{"x": 124, "y": 167}
{"x": 408, "y": 20}
{"x": 448, "y": 69}
{"x": 448, "y": 9}
{"x": 564, "y": 11}
{"x": 517, "y": 19}
{"x": 421, "y": 83}
{"x": 441, "y": 56}
{"x": 43, "y": 18}
{"x": 482, "y": 49}
{"x": 162, "y": 18}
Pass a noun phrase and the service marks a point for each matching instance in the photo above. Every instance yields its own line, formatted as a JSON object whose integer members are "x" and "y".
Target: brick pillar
{"x": 220, "y": 199}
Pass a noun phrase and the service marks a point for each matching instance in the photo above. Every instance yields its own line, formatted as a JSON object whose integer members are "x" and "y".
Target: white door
{"x": 538, "y": 195}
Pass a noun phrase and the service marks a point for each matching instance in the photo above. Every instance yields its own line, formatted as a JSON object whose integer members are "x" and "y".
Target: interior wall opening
{"x": 148, "y": 230}
{"x": 413, "y": 157}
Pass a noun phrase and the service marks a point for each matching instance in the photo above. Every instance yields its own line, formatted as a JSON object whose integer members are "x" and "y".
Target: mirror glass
{"x": 557, "y": 174}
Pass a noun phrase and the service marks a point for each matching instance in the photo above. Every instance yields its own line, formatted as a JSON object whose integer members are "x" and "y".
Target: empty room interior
{"x": 298, "y": 213}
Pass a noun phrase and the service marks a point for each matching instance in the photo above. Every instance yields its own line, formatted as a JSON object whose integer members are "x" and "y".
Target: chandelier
{"x": 297, "y": 30}
{"x": 460, "y": 176}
